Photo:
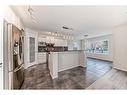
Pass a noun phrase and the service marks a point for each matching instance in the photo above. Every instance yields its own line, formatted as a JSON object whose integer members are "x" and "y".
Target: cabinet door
{"x": 41, "y": 39}
{"x": 41, "y": 57}
{"x": 56, "y": 42}
{"x": 48, "y": 39}
{"x": 60, "y": 42}
{"x": 64, "y": 43}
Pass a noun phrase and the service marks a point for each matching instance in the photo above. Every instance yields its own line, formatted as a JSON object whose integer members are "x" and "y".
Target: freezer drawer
{"x": 18, "y": 78}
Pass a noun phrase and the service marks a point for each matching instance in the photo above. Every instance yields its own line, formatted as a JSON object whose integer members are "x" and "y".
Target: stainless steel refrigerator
{"x": 15, "y": 56}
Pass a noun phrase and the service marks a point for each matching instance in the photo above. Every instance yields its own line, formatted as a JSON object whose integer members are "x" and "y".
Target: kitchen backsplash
{"x": 55, "y": 48}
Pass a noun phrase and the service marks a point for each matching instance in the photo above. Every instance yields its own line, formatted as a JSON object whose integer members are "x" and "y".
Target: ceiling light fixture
{"x": 31, "y": 11}
{"x": 65, "y": 36}
{"x": 85, "y": 35}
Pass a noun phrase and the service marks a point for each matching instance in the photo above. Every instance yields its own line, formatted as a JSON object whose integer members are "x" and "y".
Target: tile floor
{"x": 38, "y": 77}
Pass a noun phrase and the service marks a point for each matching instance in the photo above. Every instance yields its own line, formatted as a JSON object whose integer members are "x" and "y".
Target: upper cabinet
{"x": 49, "y": 39}
{"x": 41, "y": 39}
{"x": 74, "y": 45}
{"x": 60, "y": 42}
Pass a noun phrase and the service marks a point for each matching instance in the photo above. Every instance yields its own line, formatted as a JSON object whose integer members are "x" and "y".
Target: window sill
{"x": 98, "y": 53}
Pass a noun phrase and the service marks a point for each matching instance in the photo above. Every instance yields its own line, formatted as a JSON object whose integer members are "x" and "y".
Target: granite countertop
{"x": 67, "y": 51}
{"x": 61, "y": 51}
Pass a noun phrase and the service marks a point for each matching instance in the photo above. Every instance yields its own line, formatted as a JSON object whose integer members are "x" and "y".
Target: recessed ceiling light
{"x": 64, "y": 27}
{"x": 85, "y": 35}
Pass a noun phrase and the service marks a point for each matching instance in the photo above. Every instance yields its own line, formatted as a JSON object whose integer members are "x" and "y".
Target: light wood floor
{"x": 115, "y": 79}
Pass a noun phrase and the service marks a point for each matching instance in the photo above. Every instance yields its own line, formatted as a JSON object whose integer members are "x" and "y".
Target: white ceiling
{"x": 91, "y": 20}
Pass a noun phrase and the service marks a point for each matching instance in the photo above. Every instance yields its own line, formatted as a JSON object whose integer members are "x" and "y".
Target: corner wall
{"x": 120, "y": 47}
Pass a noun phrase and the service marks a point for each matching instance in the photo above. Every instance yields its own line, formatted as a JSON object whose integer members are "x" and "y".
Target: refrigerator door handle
{"x": 0, "y": 64}
{"x": 17, "y": 69}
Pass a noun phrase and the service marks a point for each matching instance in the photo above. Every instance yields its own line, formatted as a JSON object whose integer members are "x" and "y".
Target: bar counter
{"x": 60, "y": 61}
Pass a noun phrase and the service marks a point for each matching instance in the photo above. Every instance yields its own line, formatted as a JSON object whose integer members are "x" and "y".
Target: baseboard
{"x": 120, "y": 69}
{"x": 26, "y": 67}
{"x": 53, "y": 77}
{"x": 100, "y": 59}
{"x": 83, "y": 66}
{"x": 71, "y": 68}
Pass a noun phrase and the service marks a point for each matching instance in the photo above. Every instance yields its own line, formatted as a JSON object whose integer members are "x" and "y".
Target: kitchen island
{"x": 60, "y": 61}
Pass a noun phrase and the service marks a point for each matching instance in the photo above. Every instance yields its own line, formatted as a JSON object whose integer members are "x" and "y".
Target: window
{"x": 99, "y": 47}
{"x": 32, "y": 49}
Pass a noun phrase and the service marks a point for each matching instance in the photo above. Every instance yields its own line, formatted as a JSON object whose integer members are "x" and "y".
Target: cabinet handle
{"x": 0, "y": 64}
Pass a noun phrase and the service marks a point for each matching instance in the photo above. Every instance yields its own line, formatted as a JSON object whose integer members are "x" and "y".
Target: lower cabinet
{"x": 42, "y": 57}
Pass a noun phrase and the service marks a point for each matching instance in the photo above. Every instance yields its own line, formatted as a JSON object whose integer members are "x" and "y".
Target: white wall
{"x": 120, "y": 47}
{"x": 6, "y": 13}
{"x": 71, "y": 59}
{"x": 11, "y": 17}
{"x": 68, "y": 60}
{"x": 34, "y": 34}
{"x": 74, "y": 45}
{"x": 108, "y": 57}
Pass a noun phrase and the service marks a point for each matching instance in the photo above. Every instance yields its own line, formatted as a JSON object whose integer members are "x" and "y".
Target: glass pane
{"x": 32, "y": 49}
{"x": 100, "y": 47}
